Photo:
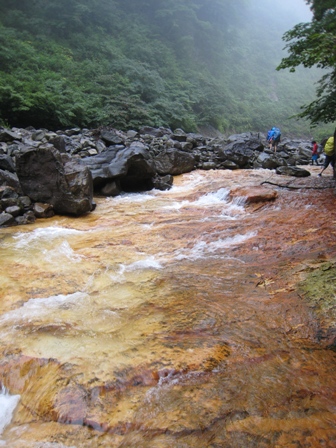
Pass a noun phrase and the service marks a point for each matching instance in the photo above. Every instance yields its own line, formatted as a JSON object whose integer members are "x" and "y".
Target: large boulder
{"x": 6, "y": 163}
{"x": 62, "y": 182}
{"x": 111, "y": 137}
{"x": 10, "y": 179}
{"x": 242, "y": 150}
{"x": 174, "y": 162}
{"x": 239, "y": 153}
{"x": 253, "y": 194}
{"x": 155, "y": 132}
{"x": 6, "y": 219}
{"x": 132, "y": 168}
{"x": 7, "y": 135}
{"x": 268, "y": 161}
{"x": 163, "y": 182}
{"x": 292, "y": 171}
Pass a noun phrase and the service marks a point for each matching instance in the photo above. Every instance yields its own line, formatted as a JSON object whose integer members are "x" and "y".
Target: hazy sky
{"x": 291, "y": 11}
{"x": 297, "y": 9}
{"x": 287, "y": 13}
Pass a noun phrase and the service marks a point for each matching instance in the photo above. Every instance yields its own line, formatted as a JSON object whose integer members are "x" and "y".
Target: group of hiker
{"x": 327, "y": 146}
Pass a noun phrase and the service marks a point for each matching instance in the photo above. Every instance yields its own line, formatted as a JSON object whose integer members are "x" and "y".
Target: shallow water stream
{"x": 174, "y": 319}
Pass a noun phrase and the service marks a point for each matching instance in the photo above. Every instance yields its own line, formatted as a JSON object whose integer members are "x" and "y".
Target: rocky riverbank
{"x": 44, "y": 172}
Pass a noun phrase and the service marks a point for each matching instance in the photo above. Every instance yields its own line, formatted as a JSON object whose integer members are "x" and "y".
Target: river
{"x": 184, "y": 318}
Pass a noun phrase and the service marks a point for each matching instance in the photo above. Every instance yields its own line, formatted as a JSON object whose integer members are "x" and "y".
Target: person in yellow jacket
{"x": 329, "y": 150}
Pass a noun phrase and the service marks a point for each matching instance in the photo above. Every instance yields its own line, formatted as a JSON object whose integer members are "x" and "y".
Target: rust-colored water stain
{"x": 180, "y": 319}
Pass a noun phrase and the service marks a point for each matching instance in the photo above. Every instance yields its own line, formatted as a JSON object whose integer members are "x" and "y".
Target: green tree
{"x": 126, "y": 63}
{"x": 314, "y": 44}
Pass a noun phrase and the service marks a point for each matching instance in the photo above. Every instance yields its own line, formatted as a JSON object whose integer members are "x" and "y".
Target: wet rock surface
{"x": 253, "y": 194}
{"x": 210, "y": 324}
{"x": 126, "y": 162}
{"x": 61, "y": 182}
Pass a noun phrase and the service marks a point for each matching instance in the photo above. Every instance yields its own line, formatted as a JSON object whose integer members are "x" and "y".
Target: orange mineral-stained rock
{"x": 254, "y": 194}
{"x": 180, "y": 318}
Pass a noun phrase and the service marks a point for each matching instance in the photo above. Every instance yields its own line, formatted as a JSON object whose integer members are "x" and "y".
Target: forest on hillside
{"x": 128, "y": 63}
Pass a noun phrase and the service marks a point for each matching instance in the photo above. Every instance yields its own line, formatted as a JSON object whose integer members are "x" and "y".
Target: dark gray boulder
{"x": 163, "y": 182}
{"x": 43, "y": 210}
{"x": 132, "y": 167}
{"x": 229, "y": 165}
{"x": 174, "y": 162}
{"x": 7, "y": 135}
{"x": 13, "y": 210}
{"x": 58, "y": 141}
{"x": 111, "y": 189}
{"x": 6, "y": 163}
{"x": 268, "y": 161}
{"x": 111, "y": 137}
{"x": 7, "y": 192}
{"x": 6, "y": 220}
{"x": 292, "y": 171}
{"x": 179, "y": 135}
{"x": 27, "y": 218}
{"x": 154, "y": 132}
{"x": 25, "y": 202}
{"x": 10, "y": 179}
{"x": 238, "y": 152}
{"x": 62, "y": 182}
{"x": 8, "y": 198}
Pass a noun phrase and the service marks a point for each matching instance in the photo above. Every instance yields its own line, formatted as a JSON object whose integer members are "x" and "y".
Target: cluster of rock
{"x": 44, "y": 172}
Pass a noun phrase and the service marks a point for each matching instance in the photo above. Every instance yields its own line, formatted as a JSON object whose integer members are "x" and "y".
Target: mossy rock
{"x": 319, "y": 291}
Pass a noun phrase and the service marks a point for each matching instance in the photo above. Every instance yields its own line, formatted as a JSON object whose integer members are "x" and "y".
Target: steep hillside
{"x": 127, "y": 63}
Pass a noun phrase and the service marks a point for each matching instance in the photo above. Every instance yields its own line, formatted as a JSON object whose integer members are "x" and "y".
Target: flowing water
{"x": 173, "y": 319}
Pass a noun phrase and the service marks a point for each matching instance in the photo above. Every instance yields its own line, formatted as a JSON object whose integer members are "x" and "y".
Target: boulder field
{"x": 43, "y": 173}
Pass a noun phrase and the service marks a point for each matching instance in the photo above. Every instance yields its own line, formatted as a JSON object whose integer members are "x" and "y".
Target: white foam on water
{"x": 8, "y": 404}
{"x": 203, "y": 249}
{"x": 209, "y": 199}
{"x": 118, "y": 276}
{"x": 148, "y": 263}
{"x": 191, "y": 182}
{"x": 38, "y": 307}
{"x": 131, "y": 197}
{"x": 45, "y": 243}
{"x": 213, "y": 198}
{"x": 64, "y": 250}
{"x": 239, "y": 201}
{"x": 148, "y": 226}
{"x": 231, "y": 210}
{"x": 177, "y": 205}
{"x": 48, "y": 233}
{"x": 140, "y": 265}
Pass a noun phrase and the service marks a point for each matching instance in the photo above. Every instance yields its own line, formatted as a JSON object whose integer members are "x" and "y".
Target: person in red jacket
{"x": 314, "y": 153}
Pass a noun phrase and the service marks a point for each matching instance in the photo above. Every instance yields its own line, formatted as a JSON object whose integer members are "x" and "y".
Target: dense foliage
{"x": 314, "y": 44}
{"x": 128, "y": 63}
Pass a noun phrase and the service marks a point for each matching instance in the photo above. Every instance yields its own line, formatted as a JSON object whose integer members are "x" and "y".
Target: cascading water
{"x": 173, "y": 318}
{"x": 8, "y": 404}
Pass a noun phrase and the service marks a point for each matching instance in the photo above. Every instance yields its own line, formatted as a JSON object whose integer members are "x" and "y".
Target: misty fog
{"x": 156, "y": 62}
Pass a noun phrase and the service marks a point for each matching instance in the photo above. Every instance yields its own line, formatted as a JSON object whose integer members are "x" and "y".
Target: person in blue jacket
{"x": 273, "y": 138}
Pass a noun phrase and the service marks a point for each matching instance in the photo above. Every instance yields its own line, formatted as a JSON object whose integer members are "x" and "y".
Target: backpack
{"x": 277, "y": 133}
{"x": 319, "y": 149}
{"x": 270, "y": 135}
{"x": 329, "y": 147}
